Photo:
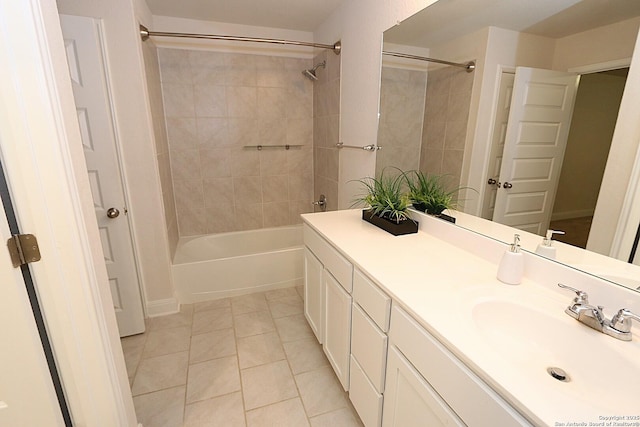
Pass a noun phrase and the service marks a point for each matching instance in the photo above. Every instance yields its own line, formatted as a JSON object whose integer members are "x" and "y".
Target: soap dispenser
{"x": 546, "y": 248}
{"x": 511, "y": 266}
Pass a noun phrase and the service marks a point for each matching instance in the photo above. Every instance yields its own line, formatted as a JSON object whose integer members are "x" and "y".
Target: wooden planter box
{"x": 407, "y": 226}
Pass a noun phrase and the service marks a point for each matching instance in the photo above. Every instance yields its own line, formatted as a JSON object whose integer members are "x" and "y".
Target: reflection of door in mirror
{"x": 578, "y": 183}
{"x": 535, "y": 140}
{"x": 497, "y": 144}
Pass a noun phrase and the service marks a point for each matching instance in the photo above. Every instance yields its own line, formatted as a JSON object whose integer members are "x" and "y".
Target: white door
{"x": 27, "y": 396}
{"x": 337, "y": 327}
{"x": 536, "y": 137}
{"x": 84, "y": 48}
{"x": 497, "y": 144}
{"x": 410, "y": 401}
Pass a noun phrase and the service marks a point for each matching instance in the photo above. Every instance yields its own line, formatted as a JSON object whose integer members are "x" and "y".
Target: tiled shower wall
{"x": 152, "y": 71}
{"x": 216, "y": 104}
{"x": 445, "y": 122}
{"x": 326, "y": 124}
{"x": 402, "y": 103}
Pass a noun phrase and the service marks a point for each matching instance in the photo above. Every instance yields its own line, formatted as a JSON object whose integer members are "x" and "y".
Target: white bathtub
{"x": 221, "y": 265}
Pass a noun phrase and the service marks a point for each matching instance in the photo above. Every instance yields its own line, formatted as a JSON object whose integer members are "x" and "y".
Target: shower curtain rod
{"x": 145, "y": 34}
{"x": 469, "y": 66}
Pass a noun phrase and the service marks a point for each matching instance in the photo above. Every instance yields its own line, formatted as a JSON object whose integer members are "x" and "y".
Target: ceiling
{"x": 449, "y": 19}
{"x": 301, "y": 15}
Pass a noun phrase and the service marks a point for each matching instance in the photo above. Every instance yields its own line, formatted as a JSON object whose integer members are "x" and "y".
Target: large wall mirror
{"x": 529, "y": 128}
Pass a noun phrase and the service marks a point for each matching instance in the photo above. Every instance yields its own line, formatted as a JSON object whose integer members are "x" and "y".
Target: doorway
{"x": 588, "y": 143}
{"x": 594, "y": 120}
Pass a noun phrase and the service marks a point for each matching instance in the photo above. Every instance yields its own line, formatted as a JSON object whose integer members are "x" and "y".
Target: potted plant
{"x": 388, "y": 204}
{"x": 430, "y": 193}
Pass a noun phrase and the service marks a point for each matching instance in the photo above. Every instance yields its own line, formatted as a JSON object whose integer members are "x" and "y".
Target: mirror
{"x": 444, "y": 120}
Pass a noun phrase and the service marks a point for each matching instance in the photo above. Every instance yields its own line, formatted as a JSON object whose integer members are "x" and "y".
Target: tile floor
{"x": 244, "y": 361}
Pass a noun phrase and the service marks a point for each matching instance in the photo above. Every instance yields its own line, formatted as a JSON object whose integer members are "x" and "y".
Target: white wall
{"x": 359, "y": 24}
{"x": 183, "y": 25}
{"x": 135, "y": 134}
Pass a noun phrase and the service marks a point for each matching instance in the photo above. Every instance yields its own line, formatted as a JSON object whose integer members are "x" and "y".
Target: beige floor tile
{"x": 212, "y": 345}
{"x": 253, "y": 323}
{"x": 132, "y": 348}
{"x": 213, "y": 378}
{"x": 210, "y": 305}
{"x": 157, "y": 373}
{"x": 289, "y": 413}
{"x": 280, "y": 293}
{"x": 249, "y": 303}
{"x": 344, "y": 417}
{"x": 166, "y": 341}
{"x": 267, "y": 384}
{"x": 223, "y": 411}
{"x": 305, "y": 355}
{"x": 133, "y": 341}
{"x": 292, "y": 328}
{"x": 211, "y": 320}
{"x": 300, "y": 290}
{"x": 162, "y": 408}
{"x": 320, "y": 391}
{"x": 183, "y": 318}
{"x": 286, "y": 306}
{"x": 259, "y": 349}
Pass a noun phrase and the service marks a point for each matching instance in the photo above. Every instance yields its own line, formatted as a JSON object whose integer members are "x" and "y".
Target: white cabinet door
{"x": 337, "y": 327}
{"x": 409, "y": 400}
{"x": 313, "y": 293}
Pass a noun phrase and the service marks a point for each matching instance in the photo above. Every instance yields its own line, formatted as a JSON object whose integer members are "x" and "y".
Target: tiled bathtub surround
{"x": 244, "y": 361}
{"x": 402, "y": 100}
{"x": 326, "y": 124}
{"x": 217, "y": 103}
{"x": 445, "y": 122}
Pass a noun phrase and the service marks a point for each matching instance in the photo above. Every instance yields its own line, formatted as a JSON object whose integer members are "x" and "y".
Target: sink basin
{"x": 530, "y": 340}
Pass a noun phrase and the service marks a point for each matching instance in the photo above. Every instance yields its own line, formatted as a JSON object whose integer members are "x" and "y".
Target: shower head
{"x": 311, "y": 74}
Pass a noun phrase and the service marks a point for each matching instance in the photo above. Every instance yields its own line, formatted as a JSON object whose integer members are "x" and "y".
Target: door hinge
{"x": 23, "y": 249}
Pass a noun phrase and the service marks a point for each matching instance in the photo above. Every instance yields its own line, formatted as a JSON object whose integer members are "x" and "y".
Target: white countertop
{"x": 440, "y": 284}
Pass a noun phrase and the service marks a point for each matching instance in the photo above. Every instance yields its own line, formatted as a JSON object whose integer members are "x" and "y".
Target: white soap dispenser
{"x": 546, "y": 248}
{"x": 511, "y": 268}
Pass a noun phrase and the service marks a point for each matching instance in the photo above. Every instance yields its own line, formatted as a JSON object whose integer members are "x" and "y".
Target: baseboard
{"x": 558, "y": 216}
{"x": 163, "y": 307}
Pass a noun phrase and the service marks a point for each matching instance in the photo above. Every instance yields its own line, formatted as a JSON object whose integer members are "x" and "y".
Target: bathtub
{"x": 221, "y": 265}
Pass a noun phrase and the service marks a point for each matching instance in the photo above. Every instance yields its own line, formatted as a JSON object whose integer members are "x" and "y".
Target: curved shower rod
{"x": 469, "y": 66}
{"x": 145, "y": 34}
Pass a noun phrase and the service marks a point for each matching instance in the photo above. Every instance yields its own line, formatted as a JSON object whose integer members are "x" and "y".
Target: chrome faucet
{"x": 593, "y": 316}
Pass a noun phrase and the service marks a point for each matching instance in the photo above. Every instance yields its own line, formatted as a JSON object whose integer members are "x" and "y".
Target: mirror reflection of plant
{"x": 386, "y": 197}
{"x": 430, "y": 193}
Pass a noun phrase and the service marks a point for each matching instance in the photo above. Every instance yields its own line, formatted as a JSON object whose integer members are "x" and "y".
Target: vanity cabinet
{"x": 370, "y": 322}
{"x": 327, "y": 306}
{"x": 424, "y": 379}
{"x": 313, "y": 293}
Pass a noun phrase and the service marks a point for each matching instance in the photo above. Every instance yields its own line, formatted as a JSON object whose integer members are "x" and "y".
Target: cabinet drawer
{"x": 369, "y": 347}
{"x": 332, "y": 260}
{"x": 366, "y": 400}
{"x": 473, "y": 400}
{"x": 376, "y": 303}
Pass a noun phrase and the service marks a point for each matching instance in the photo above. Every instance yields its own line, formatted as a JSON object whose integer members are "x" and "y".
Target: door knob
{"x": 507, "y": 185}
{"x": 113, "y": 213}
{"x": 492, "y": 181}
